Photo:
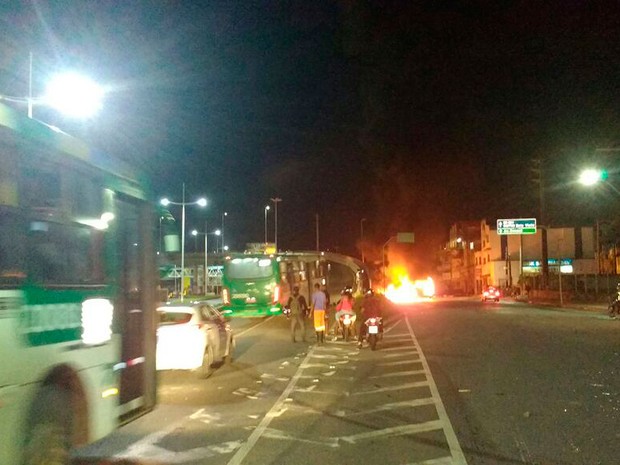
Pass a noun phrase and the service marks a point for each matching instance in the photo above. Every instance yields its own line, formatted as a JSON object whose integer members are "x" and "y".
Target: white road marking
{"x": 277, "y": 434}
{"x": 458, "y": 458}
{"x": 399, "y": 373}
{"x": 402, "y": 354}
{"x": 400, "y": 362}
{"x": 400, "y": 387}
{"x": 403, "y": 348}
{"x": 203, "y": 417}
{"x": 146, "y": 448}
{"x": 438, "y": 461}
{"x": 245, "y": 449}
{"x": 396, "y": 406}
{"x": 254, "y": 327}
{"x": 387, "y": 330}
{"x": 413, "y": 428}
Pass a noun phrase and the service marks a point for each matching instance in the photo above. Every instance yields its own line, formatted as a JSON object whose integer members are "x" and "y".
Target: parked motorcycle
{"x": 614, "y": 308}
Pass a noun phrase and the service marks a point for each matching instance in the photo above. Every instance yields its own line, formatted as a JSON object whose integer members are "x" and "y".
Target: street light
{"x": 206, "y": 235}
{"x": 276, "y": 201}
{"x": 592, "y": 176}
{"x": 267, "y": 208}
{"x": 70, "y": 93}
{"x": 223, "y": 215}
{"x": 202, "y": 202}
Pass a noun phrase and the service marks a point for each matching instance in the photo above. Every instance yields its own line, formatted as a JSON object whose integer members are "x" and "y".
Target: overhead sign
{"x": 407, "y": 237}
{"x": 516, "y": 226}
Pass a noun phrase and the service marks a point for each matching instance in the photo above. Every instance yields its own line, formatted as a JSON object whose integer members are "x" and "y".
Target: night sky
{"x": 413, "y": 115}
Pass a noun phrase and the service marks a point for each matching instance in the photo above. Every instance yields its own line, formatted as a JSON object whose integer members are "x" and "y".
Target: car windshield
{"x": 174, "y": 317}
{"x": 249, "y": 268}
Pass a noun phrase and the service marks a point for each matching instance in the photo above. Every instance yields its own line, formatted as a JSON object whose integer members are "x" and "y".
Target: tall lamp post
{"x": 206, "y": 235}
{"x": 225, "y": 214}
{"x": 202, "y": 202}
{"x": 276, "y": 201}
{"x": 267, "y": 208}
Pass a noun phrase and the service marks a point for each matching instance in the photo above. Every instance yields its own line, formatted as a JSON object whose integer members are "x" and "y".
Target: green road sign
{"x": 516, "y": 226}
{"x": 407, "y": 237}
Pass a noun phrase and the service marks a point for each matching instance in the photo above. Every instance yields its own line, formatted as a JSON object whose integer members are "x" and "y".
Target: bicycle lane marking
{"x": 274, "y": 412}
{"x": 458, "y": 458}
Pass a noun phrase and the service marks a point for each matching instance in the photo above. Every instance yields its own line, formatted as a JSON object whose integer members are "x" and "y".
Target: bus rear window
{"x": 249, "y": 268}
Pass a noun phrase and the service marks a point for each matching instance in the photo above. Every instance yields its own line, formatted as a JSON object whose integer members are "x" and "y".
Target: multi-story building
{"x": 477, "y": 257}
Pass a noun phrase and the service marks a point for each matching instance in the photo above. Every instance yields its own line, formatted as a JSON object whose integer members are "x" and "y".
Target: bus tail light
{"x": 225, "y": 296}
{"x": 276, "y": 294}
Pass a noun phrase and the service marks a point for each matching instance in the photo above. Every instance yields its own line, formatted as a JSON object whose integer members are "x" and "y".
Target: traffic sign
{"x": 516, "y": 226}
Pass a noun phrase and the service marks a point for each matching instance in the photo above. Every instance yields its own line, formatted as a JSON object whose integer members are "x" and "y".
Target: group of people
{"x": 319, "y": 305}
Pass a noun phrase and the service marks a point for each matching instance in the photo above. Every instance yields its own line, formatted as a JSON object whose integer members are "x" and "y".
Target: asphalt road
{"x": 453, "y": 382}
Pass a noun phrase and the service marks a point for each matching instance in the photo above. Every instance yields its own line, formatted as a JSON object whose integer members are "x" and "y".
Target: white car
{"x": 193, "y": 336}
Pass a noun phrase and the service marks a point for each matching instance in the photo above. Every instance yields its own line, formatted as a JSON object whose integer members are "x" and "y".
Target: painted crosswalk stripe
{"x": 400, "y": 387}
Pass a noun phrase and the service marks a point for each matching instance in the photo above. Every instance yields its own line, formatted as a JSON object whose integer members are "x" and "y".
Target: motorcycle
{"x": 374, "y": 331}
{"x": 345, "y": 323}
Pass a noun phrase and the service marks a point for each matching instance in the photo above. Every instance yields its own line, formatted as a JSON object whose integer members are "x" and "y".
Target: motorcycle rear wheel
{"x": 372, "y": 341}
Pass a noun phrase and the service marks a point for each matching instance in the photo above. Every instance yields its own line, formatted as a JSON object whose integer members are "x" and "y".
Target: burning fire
{"x": 405, "y": 291}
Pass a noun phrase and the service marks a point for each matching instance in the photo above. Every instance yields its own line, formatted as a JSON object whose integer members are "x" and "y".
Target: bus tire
{"x": 208, "y": 358}
{"x": 48, "y": 436}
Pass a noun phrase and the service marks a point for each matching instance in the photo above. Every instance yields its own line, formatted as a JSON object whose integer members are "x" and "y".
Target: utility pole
{"x": 276, "y": 201}
{"x": 537, "y": 169}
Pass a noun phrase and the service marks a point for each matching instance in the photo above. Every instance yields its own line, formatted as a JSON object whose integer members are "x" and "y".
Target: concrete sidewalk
{"x": 594, "y": 307}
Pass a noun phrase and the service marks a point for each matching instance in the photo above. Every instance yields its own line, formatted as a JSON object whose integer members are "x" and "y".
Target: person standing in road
{"x": 319, "y": 305}
{"x": 299, "y": 309}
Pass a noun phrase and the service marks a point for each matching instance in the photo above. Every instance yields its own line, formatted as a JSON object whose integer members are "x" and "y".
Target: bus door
{"x": 132, "y": 314}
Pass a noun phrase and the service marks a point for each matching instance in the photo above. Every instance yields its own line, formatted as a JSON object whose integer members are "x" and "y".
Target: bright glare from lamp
{"x": 217, "y": 232}
{"x": 74, "y": 95}
{"x": 194, "y": 232}
{"x": 590, "y": 177}
{"x": 165, "y": 202}
{"x": 202, "y": 202}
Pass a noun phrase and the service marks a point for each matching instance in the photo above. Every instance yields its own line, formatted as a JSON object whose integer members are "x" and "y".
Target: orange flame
{"x": 405, "y": 291}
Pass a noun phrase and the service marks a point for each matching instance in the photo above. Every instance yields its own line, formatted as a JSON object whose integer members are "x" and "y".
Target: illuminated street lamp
{"x": 225, "y": 214}
{"x": 70, "y": 93}
{"x": 202, "y": 202}
{"x": 267, "y": 208}
{"x": 74, "y": 95}
{"x": 591, "y": 176}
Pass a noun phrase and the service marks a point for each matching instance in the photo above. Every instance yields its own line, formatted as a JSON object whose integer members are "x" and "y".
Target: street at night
{"x": 454, "y": 381}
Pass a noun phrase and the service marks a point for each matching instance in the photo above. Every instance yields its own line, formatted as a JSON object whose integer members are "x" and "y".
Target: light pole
{"x": 267, "y": 208}
{"x": 202, "y": 202}
{"x": 223, "y": 215}
{"x": 206, "y": 235}
{"x": 276, "y": 201}
{"x": 362, "y": 237}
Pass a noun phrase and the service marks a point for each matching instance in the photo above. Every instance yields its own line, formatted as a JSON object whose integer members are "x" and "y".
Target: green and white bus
{"x": 260, "y": 284}
{"x": 77, "y": 294}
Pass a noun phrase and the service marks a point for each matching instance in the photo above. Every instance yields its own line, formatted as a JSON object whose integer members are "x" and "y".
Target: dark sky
{"x": 411, "y": 114}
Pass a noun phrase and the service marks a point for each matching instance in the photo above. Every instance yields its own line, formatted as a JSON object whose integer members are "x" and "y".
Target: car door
{"x": 221, "y": 326}
{"x": 210, "y": 328}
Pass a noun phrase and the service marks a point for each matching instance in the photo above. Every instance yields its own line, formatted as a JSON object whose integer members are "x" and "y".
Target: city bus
{"x": 258, "y": 284}
{"x": 78, "y": 291}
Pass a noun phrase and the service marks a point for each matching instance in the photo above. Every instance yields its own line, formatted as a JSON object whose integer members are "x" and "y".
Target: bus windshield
{"x": 250, "y": 268}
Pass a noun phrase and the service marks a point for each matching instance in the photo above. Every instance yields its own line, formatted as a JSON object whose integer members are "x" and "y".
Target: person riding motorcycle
{"x": 371, "y": 308}
{"x": 345, "y": 306}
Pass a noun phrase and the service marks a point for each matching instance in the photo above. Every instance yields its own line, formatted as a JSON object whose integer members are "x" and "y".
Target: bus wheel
{"x": 48, "y": 438}
{"x": 206, "y": 369}
{"x": 231, "y": 350}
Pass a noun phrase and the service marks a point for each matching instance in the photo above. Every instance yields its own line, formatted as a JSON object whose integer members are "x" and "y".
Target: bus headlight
{"x": 96, "y": 321}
